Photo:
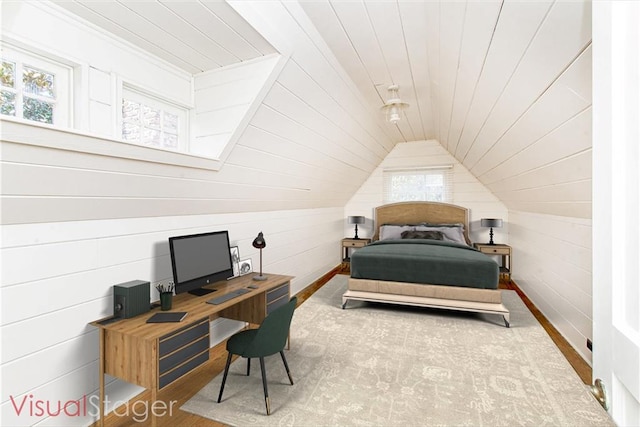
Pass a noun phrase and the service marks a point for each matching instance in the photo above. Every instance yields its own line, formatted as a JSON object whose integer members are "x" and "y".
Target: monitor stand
{"x": 201, "y": 291}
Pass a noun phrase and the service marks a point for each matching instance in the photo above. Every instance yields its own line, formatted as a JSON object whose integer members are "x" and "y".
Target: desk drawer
{"x": 175, "y": 340}
{"x": 171, "y": 376}
{"x": 276, "y": 293}
{"x": 277, "y": 303}
{"x": 277, "y": 297}
{"x": 185, "y": 353}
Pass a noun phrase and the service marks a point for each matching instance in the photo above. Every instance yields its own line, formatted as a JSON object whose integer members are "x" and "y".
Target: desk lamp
{"x": 491, "y": 222}
{"x": 259, "y": 243}
{"x": 356, "y": 220}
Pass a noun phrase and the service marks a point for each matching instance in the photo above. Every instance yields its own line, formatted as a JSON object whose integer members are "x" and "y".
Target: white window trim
{"x": 29, "y": 132}
{"x": 137, "y": 94}
{"x": 74, "y": 138}
{"x": 63, "y": 75}
{"x": 70, "y": 138}
{"x": 445, "y": 170}
{"x": 42, "y": 135}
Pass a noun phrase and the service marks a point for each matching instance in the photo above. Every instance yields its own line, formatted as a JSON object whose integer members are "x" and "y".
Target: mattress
{"x": 434, "y": 262}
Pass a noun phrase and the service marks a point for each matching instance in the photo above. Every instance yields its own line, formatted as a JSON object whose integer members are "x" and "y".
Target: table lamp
{"x": 491, "y": 222}
{"x": 259, "y": 243}
{"x": 356, "y": 220}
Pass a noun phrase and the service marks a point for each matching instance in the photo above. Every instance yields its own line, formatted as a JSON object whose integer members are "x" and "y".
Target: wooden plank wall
{"x": 553, "y": 266}
{"x": 58, "y": 276}
{"x": 467, "y": 190}
{"x": 222, "y": 99}
{"x": 311, "y": 142}
{"x": 551, "y": 253}
{"x": 76, "y": 221}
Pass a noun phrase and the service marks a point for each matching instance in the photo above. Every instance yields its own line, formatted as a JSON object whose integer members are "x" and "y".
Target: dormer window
{"x": 153, "y": 122}
{"x": 34, "y": 88}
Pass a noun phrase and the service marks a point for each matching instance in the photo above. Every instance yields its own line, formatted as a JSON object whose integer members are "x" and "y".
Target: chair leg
{"x": 224, "y": 377}
{"x": 286, "y": 366}
{"x": 248, "y": 366}
{"x": 264, "y": 385}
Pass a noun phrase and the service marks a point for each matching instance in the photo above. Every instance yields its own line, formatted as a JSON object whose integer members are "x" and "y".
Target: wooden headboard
{"x": 417, "y": 212}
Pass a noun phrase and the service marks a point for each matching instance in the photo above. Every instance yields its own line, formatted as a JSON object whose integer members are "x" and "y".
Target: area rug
{"x": 381, "y": 365}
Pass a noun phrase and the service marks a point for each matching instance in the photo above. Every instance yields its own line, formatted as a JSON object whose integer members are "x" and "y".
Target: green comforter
{"x": 434, "y": 262}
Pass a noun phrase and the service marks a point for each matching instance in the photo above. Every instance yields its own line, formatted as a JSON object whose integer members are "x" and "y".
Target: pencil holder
{"x": 166, "y": 298}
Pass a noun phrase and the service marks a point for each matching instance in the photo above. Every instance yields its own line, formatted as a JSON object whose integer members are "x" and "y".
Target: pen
{"x": 162, "y": 288}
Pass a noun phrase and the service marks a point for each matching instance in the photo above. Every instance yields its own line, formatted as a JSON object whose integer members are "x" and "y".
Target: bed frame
{"x": 421, "y": 295}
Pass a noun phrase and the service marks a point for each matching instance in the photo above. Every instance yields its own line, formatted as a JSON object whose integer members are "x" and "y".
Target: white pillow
{"x": 393, "y": 231}
{"x": 451, "y": 234}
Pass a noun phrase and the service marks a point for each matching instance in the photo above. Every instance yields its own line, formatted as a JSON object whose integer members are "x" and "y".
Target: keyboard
{"x": 227, "y": 297}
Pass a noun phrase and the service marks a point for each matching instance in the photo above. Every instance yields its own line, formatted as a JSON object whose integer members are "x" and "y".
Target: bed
{"x": 421, "y": 255}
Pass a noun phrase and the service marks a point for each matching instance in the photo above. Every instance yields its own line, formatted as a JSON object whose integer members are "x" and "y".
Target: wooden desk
{"x": 154, "y": 355}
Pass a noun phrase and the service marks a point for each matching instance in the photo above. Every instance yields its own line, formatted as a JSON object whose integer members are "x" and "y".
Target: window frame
{"x": 445, "y": 171}
{"x": 74, "y": 133}
{"x": 63, "y": 86}
{"x": 139, "y": 95}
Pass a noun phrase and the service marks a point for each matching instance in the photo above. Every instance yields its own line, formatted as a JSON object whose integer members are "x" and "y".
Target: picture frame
{"x": 245, "y": 266}
{"x": 235, "y": 260}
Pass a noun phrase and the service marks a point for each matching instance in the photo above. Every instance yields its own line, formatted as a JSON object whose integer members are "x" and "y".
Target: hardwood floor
{"x": 581, "y": 367}
{"x": 184, "y": 389}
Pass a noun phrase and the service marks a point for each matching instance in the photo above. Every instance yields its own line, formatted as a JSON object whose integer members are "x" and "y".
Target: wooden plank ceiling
{"x": 504, "y": 86}
{"x": 195, "y": 36}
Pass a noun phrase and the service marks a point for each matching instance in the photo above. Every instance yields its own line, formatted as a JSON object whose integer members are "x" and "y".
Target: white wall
{"x": 467, "y": 190}
{"x": 100, "y": 62}
{"x": 552, "y": 265}
{"x": 506, "y": 88}
{"x": 310, "y": 143}
{"x": 58, "y": 277}
{"x": 78, "y": 221}
{"x": 223, "y": 101}
{"x": 551, "y": 254}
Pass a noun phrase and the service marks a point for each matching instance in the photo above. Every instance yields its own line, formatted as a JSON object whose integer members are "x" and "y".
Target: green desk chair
{"x": 270, "y": 338}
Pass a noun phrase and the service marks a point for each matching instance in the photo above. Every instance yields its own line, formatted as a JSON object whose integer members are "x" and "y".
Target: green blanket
{"x": 434, "y": 262}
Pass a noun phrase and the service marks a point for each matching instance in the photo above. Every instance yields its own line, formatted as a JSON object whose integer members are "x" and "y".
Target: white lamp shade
{"x": 393, "y": 114}
{"x": 394, "y": 105}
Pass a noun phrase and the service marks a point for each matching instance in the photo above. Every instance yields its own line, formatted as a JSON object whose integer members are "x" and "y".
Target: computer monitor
{"x": 200, "y": 259}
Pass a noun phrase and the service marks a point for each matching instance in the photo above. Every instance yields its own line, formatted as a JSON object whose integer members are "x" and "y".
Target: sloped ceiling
{"x": 504, "y": 86}
{"x": 192, "y": 35}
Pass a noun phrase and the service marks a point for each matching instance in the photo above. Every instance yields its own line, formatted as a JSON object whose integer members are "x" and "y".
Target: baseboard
{"x": 309, "y": 290}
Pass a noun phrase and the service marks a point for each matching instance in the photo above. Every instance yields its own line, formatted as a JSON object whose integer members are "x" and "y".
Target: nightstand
{"x": 498, "y": 249}
{"x": 350, "y": 243}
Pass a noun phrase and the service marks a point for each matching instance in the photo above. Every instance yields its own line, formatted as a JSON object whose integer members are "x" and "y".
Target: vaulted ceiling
{"x": 504, "y": 86}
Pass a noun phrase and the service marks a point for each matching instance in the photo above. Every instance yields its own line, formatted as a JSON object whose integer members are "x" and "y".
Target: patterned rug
{"x": 380, "y": 365}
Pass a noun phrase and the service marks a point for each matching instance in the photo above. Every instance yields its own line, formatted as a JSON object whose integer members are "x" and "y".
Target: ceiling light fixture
{"x": 394, "y": 105}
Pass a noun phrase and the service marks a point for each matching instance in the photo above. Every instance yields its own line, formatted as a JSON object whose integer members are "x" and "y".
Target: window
{"x": 429, "y": 184}
{"x": 34, "y": 88}
{"x": 152, "y": 122}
